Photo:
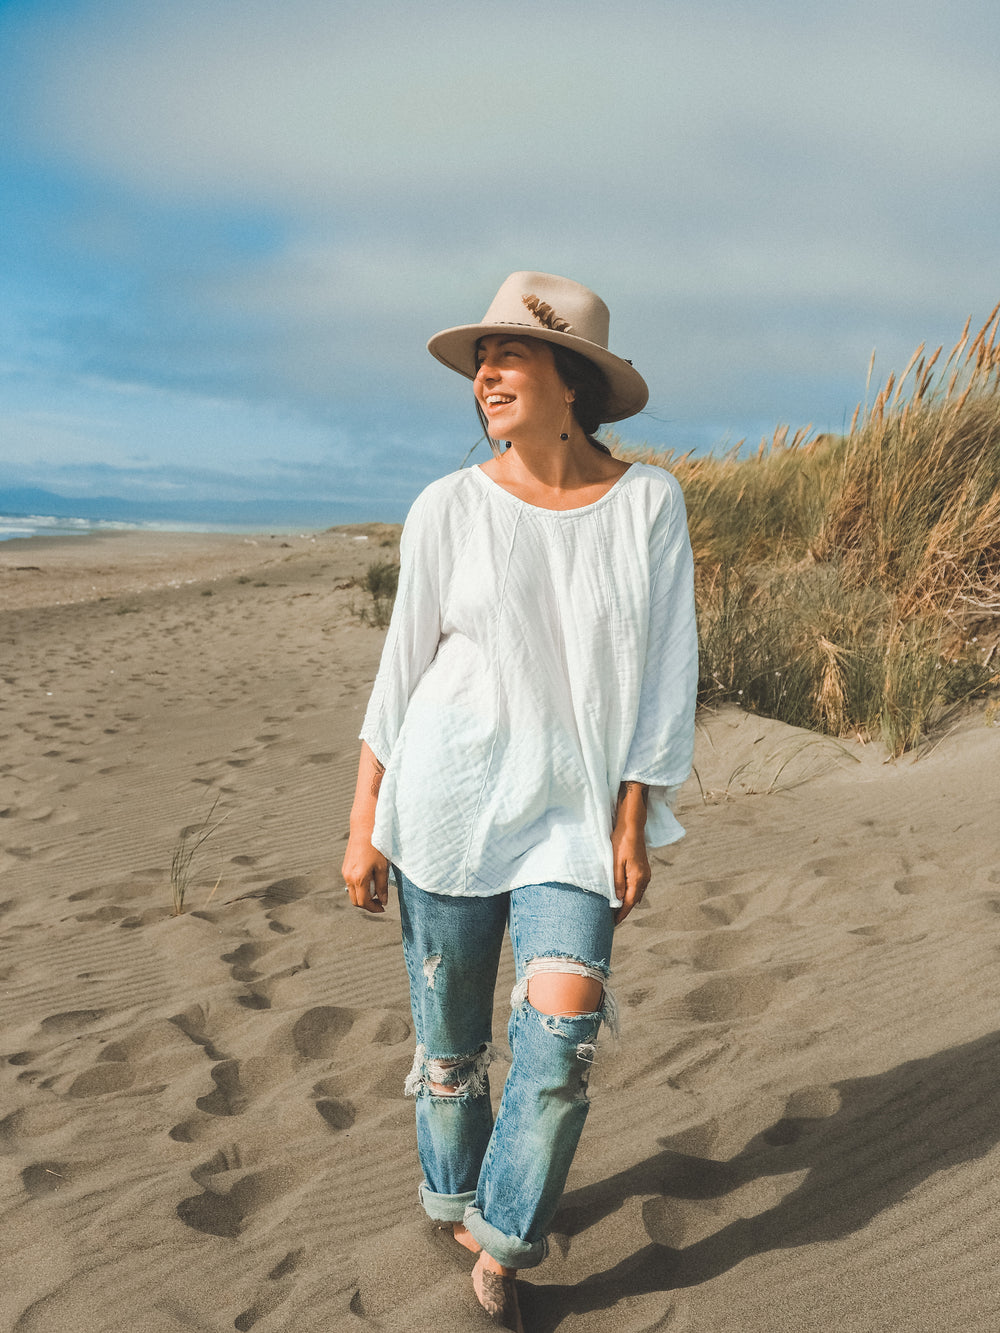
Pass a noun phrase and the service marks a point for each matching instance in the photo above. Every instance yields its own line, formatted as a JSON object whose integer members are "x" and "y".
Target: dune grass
{"x": 379, "y": 582}
{"x": 851, "y": 584}
{"x": 182, "y": 863}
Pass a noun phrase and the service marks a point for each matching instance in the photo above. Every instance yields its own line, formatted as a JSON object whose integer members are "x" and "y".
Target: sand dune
{"x": 202, "y": 1125}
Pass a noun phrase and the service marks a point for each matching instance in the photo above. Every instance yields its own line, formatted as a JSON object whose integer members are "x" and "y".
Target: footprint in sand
{"x": 41, "y": 1178}
{"x": 131, "y": 890}
{"x": 192, "y": 1023}
{"x": 42, "y": 814}
{"x": 259, "y": 995}
{"x": 238, "y": 1082}
{"x": 318, "y": 1032}
{"x": 72, "y": 1020}
{"x": 910, "y": 884}
{"x": 725, "y": 949}
{"x": 337, "y": 1115}
{"x": 145, "y": 1059}
{"x": 719, "y": 950}
{"x": 695, "y": 906}
{"x": 273, "y": 897}
{"x": 281, "y": 892}
{"x": 231, "y": 1194}
{"x": 190, "y": 1131}
{"x": 271, "y": 988}
{"x": 103, "y": 914}
{"x": 272, "y": 1295}
{"x": 736, "y": 995}
{"x": 230, "y": 1097}
{"x": 241, "y": 959}
{"x": 111, "y": 1076}
{"x": 35, "y": 1122}
{"x": 725, "y": 908}
{"x": 160, "y": 1050}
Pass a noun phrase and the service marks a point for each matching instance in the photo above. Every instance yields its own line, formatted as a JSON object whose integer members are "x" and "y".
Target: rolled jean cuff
{"x": 445, "y": 1207}
{"x": 510, "y": 1251}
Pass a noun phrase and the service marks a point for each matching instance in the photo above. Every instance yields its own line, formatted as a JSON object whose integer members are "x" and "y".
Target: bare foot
{"x": 465, "y": 1237}
{"x": 496, "y": 1292}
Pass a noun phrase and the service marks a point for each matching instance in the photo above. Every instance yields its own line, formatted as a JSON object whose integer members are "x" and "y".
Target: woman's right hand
{"x": 366, "y": 874}
{"x": 365, "y": 870}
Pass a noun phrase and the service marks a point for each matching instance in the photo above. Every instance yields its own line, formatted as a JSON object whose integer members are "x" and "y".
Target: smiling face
{"x": 518, "y": 387}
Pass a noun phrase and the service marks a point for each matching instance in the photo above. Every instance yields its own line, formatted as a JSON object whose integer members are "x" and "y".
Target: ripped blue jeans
{"x": 503, "y": 1179}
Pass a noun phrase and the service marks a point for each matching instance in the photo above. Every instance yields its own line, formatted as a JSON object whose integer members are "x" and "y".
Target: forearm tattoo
{"x": 377, "y": 777}
{"x": 643, "y": 792}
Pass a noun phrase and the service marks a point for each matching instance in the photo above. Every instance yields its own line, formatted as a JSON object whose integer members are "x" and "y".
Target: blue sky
{"x": 228, "y": 227}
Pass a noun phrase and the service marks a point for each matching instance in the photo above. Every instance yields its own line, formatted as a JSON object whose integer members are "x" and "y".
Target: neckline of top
{"x": 557, "y": 513}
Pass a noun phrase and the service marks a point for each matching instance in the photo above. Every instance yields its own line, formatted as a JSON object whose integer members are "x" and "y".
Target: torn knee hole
{"x": 553, "y": 997}
{"x": 563, "y": 987}
{"x": 445, "y": 1078}
{"x": 566, "y": 988}
{"x": 458, "y": 1076}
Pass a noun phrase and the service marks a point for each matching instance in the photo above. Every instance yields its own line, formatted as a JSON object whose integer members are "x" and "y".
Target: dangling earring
{"x": 564, "y": 435}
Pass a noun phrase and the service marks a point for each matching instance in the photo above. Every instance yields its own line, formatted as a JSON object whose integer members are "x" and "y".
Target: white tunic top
{"x": 535, "y": 660}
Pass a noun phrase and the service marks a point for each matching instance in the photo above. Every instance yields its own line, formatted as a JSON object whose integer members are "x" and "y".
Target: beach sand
{"x": 202, "y": 1124}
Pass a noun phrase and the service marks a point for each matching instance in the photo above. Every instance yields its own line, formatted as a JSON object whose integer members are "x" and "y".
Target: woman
{"x": 533, "y": 711}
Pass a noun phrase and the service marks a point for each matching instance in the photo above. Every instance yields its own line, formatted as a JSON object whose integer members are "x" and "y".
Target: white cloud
{"x": 312, "y": 104}
{"x": 762, "y": 191}
{"x": 735, "y": 152}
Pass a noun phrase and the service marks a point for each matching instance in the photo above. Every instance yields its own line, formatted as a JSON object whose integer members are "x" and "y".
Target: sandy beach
{"x": 202, "y": 1124}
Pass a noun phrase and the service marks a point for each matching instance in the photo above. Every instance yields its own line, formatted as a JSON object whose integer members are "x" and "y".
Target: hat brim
{"x": 456, "y": 349}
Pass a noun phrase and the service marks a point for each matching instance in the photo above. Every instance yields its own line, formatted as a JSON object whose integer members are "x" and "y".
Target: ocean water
{"x": 14, "y": 526}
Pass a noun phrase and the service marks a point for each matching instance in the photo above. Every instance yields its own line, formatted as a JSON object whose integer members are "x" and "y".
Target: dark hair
{"x": 590, "y": 387}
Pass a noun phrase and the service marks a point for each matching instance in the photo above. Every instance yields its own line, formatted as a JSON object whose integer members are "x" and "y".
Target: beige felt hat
{"x": 556, "y": 310}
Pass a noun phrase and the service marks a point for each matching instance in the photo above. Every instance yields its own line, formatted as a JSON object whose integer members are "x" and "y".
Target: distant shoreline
{"x": 18, "y": 528}
{"x": 125, "y": 563}
{"x": 25, "y": 511}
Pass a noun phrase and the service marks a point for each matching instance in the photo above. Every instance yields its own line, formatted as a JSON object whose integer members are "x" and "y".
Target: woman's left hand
{"x": 632, "y": 872}
{"x": 628, "y": 845}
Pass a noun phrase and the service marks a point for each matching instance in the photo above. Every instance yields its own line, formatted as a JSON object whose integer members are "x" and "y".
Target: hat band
{"x": 520, "y": 324}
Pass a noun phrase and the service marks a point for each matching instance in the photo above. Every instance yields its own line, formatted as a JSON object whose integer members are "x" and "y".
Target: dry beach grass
{"x": 202, "y": 1125}
{"x": 852, "y": 584}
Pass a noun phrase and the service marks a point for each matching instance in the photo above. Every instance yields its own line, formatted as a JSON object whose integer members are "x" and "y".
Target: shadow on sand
{"x": 890, "y": 1133}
